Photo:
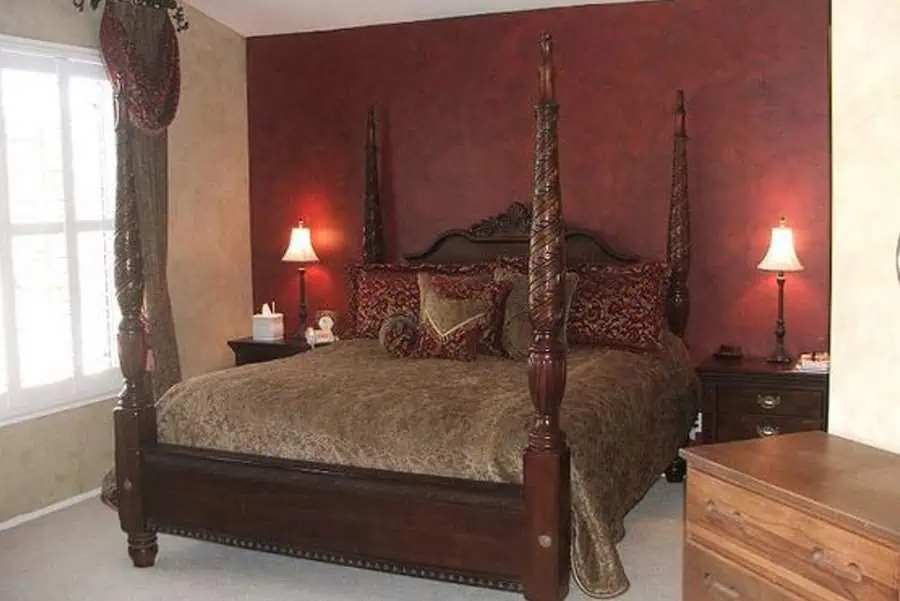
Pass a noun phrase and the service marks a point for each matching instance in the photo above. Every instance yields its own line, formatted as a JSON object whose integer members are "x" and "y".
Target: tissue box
{"x": 268, "y": 327}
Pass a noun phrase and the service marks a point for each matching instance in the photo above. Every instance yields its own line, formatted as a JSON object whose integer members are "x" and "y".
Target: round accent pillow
{"x": 399, "y": 333}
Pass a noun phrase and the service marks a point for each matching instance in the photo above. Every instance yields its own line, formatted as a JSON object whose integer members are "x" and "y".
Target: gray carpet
{"x": 78, "y": 554}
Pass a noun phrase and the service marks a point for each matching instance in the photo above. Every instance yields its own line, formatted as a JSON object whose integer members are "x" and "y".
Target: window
{"x": 58, "y": 314}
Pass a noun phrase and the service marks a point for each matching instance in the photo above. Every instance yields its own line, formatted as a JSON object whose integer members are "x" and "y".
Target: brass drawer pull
{"x": 731, "y": 515}
{"x": 849, "y": 571}
{"x": 768, "y": 401}
{"x": 723, "y": 590}
{"x": 767, "y": 430}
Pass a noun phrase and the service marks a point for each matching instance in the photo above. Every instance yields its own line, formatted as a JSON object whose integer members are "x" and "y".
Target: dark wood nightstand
{"x": 248, "y": 350}
{"x": 750, "y": 398}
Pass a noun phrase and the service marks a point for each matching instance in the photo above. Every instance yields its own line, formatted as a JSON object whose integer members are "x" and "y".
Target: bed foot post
{"x": 142, "y": 549}
{"x": 134, "y": 418}
{"x": 546, "y": 479}
{"x": 546, "y": 484}
{"x": 676, "y": 471}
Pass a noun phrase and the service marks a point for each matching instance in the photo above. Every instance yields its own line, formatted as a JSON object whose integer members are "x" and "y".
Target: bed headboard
{"x": 507, "y": 234}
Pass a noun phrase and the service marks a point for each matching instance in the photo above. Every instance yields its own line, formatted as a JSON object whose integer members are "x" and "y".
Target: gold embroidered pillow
{"x": 517, "y": 332}
{"x": 450, "y": 328}
{"x": 461, "y": 287}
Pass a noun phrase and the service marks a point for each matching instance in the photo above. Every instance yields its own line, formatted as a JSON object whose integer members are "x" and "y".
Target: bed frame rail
{"x": 403, "y": 523}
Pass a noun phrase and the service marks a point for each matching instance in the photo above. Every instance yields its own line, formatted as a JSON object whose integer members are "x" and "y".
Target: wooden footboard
{"x": 442, "y": 528}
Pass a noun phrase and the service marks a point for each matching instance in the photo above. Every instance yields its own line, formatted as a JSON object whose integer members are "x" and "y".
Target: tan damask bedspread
{"x": 353, "y": 404}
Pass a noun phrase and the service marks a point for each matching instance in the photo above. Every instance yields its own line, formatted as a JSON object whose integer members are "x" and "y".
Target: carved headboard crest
{"x": 514, "y": 221}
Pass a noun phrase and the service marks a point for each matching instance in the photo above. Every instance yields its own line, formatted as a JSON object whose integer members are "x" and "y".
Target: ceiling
{"x": 268, "y": 17}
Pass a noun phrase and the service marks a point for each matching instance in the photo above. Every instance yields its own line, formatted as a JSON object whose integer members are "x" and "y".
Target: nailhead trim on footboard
{"x": 369, "y": 564}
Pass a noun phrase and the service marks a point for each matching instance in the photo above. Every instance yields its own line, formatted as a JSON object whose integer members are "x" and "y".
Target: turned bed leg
{"x": 676, "y": 471}
{"x": 134, "y": 417}
{"x": 546, "y": 461}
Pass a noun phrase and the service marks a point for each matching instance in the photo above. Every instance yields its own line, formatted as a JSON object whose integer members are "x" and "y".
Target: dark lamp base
{"x": 780, "y": 359}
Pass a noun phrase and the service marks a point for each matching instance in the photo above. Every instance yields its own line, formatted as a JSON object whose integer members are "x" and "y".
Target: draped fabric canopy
{"x": 140, "y": 48}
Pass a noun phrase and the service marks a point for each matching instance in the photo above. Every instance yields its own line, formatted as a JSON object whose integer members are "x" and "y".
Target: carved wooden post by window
{"x": 679, "y": 247}
{"x": 135, "y": 415}
{"x": 546, "y": 463}
{"x": 373, "y": 234}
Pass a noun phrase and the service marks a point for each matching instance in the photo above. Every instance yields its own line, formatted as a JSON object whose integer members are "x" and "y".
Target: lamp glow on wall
{"x": 300, "y": 250}
{"x": 781, "y": 258}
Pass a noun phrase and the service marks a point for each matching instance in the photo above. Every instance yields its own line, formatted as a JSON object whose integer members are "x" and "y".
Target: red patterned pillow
{"x": 451, "y": 328}
{"x": 620, "y": 306}
{"x": 399, "y": 333}
{"x": 377, "y": 291}
{"x": 516, "y": 263}
{"x": 460, "y": 286}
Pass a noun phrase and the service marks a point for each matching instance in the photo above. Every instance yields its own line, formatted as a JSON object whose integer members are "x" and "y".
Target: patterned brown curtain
{"x": 140, "y": 49}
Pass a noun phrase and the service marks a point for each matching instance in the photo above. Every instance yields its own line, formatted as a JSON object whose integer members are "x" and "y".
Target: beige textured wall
{"x": 64, "y": 454}
{"x": 865, "y": 311}
{"x": 209, "y": 214}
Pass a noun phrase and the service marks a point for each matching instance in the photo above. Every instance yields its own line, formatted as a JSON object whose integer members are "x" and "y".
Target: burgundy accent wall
{"x": 455, "y": 101}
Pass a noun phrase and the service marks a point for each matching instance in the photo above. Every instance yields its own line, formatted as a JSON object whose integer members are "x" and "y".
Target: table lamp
{"x": 300, "y": 250}
{"x": 781, "y": 258}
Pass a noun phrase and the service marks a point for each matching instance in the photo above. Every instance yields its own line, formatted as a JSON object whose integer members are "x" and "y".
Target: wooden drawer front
{"x": 743, "y": 427}
{"x": 804, "y": 554}
{"x": 709, "y": 577}
{"x": 774, "y": 401}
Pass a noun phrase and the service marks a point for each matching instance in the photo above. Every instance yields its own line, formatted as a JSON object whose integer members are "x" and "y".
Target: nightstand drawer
{"x": 769, "y": 400}
{"x": 811, "y": 556}
{"x": 733, "y": 426}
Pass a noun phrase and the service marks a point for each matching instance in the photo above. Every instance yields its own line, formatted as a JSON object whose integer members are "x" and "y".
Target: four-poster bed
{"x": 478, "y": 513}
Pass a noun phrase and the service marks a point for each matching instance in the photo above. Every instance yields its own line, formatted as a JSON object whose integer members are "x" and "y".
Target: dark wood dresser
{"x": 804, "y": 516}
{"x": 751, "y": 398}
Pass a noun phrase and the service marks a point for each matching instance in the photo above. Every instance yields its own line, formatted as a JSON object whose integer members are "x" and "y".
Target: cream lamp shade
{"x": 300, "y": 249}
{"x": 781, "y": 256}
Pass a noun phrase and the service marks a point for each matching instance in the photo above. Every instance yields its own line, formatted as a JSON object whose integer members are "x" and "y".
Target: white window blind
{"x": 58, "y": 314}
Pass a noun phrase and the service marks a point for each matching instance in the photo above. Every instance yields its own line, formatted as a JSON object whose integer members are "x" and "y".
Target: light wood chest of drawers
{"x": 806, "y": 516}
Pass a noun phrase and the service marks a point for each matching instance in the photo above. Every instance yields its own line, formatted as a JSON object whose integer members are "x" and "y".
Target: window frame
{"x": 17, "y": 403}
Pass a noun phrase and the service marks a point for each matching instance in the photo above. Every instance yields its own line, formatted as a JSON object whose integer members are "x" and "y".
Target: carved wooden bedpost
{"x": 546, "y": 462}
{"x": 373, "y": 250}
{"x": 135, "y": 414}
{"x": 679, "y": 245}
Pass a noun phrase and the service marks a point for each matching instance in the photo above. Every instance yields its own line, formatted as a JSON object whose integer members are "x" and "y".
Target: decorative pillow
{"x": 516, "y": 263}
{"x": 377, "y": 291}
{"x": 462, "y": 287}
{"x": 451, "y": 328}
{"x": 399, "y": 333}
{"x": 620, "y": 306}
{"x": 517, "y": 332}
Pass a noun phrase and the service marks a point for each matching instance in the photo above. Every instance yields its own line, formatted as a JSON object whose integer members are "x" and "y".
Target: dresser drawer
{"x": 709, "y": 577}
{"x": 806, "y": 555}
{"x": 734, "y": 426}
{"x": 735, "y": 398}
